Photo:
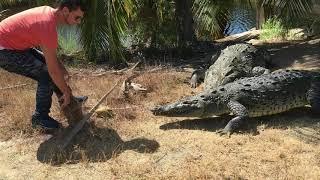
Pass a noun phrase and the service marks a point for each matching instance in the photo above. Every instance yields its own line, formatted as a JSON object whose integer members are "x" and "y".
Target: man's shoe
{"x": 46, "y": 123}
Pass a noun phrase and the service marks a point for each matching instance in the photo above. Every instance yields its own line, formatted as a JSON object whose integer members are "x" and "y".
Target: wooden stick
{"x": 86, "y": 118}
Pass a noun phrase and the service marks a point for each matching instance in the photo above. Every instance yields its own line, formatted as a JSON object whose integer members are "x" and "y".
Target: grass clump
{"x": 70, "y": 49}
{"x": 69, "y": 40}
{"x": 273, "y": 29}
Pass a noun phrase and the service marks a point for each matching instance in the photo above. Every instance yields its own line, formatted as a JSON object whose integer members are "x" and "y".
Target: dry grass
{"x": 136, "y": 145}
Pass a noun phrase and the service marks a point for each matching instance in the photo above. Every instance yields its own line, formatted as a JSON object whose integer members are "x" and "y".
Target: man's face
{"x": 72, "y": 17}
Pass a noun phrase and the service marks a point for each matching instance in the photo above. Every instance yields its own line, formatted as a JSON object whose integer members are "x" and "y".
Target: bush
{"x": 273, "y": 29}
{"x": 69, "y": 40}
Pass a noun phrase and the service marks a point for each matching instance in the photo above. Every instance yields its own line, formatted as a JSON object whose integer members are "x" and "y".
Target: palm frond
{"x": 103, "y": 25}
{"x": 210, "y": 16}
{"x": 288, "y": 10}
{"x": 29, "y": 3}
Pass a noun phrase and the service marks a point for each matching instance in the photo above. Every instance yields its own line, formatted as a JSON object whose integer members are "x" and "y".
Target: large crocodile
{"x": 233, "y": 62}
{"x": 267, "y": 94}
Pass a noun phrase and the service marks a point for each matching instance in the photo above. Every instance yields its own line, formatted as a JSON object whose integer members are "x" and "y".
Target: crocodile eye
{"x": 247, "y": 85}
{"x": 190, "y": 102}
{"x": 214, "y": 92}
{"x": 221, "y": 89}
{"x": 186, "y": 102}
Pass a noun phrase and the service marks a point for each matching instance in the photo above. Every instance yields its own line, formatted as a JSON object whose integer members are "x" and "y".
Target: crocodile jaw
{"x": 180, "y": 109}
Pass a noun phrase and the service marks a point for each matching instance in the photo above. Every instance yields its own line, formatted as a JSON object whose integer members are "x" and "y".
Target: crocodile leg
{"x": 241, "y": 113}
{"x": 258, "y": 70}
{"x": 197, "y": 77}
{"x": 313, "y": 95}
{"x": 231, "y": 76}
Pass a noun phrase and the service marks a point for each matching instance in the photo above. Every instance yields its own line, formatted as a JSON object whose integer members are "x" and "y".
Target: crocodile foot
{"x": 233, "y": 126}
{"x": 225, "y": 132}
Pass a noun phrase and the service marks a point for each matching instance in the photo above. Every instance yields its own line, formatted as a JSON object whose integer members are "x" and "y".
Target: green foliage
{"x": 19, "y": 3}
{"x": 286, "y": 10}
{"x": 210, "y": 17}
{"x": 12, "y": 3}
{"x": 153, "y": 23}
{"x": 103, "y": 26}
{"x": 69, "y": 40}
{"x": 307, "y": 21}
{"x": 2, "y": 15}
{"x": 273, "y": 28}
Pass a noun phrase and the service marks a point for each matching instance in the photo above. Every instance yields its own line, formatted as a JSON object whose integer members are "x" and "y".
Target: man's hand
{"x": 65, "y": 98}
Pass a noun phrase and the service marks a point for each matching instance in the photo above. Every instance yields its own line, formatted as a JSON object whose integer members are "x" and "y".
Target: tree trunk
{"x": 316, "y": 7}
{"x": 184, "y": 18}
{"x": 260, "y": 16}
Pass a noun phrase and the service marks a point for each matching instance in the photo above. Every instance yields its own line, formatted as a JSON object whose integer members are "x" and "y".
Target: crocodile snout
{"x": 159, "y": 110}
{"x": 156, "y": 110}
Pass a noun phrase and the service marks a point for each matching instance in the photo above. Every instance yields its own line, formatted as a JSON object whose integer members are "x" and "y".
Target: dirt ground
{"x": 296, "y": 55}
{"x": 137, "y": 145}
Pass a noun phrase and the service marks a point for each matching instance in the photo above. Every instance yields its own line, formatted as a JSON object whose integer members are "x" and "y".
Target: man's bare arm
{"x": 56, "y": 73}
{"x": 65, "y": 72}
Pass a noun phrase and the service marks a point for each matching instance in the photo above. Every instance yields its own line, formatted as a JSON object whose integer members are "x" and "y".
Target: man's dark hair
{"x": 73, "y": 5}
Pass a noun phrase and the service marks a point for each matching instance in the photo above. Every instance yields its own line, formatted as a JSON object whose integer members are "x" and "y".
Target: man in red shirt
{"x": 37, "y": 27}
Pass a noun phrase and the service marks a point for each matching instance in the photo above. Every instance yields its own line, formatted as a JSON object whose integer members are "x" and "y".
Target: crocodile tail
{"x": 314, "y": 94}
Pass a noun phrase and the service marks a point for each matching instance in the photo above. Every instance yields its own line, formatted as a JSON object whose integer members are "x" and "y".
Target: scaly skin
{"x": 234, "y": 62}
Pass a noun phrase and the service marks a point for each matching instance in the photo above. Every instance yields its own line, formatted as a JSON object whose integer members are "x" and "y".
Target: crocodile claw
{"x": 224, "y": 132}
{"x": 193, "y": 84}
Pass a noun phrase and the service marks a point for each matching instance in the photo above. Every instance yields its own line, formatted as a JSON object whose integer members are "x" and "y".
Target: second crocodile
{"x": 233, "y": 62}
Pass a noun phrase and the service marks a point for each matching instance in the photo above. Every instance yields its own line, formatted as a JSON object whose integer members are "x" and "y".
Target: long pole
{"x": 86, "y": 118}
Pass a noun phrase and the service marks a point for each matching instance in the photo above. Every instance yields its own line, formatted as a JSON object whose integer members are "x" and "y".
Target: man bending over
{"x": 37, "y": 27}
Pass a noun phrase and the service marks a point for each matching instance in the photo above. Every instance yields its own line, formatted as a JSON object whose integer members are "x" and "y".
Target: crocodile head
{"x": 201, "y": 105}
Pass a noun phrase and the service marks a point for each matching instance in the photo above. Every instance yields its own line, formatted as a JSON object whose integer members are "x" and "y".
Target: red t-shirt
{"x": 30, "y": 28}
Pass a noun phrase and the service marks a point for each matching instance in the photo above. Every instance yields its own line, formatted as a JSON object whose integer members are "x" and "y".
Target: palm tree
{"x": 107, "y": 20}
{"x": 103, "y": 26}
{"x": 211, "y": 17}
{"x": 151, "y": 19}
{"x": 184, "y": 19}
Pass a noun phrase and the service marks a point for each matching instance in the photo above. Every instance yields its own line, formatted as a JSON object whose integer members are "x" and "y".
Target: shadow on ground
{"x": 304, "y": 124}
{"x": 302, "y": 53}
{"x": 91, "y": 144}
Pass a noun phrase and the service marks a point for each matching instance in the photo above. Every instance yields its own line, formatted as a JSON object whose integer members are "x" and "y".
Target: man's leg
{"x": 32, "y": 64}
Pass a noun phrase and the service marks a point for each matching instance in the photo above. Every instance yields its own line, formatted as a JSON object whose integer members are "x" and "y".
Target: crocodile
{"x": 248, "y": 97}
{"x": 233, "y": 62}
